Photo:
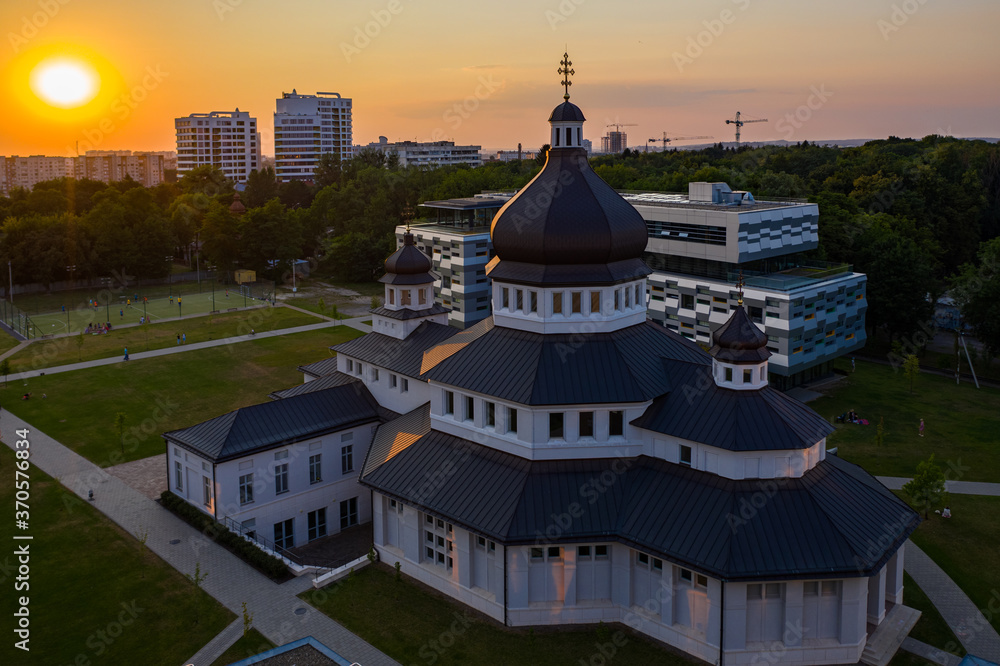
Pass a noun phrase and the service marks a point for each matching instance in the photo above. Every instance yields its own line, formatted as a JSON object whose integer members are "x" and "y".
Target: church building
{"x": 568, "y": 461}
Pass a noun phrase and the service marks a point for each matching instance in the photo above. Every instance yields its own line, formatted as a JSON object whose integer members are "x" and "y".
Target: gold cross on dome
{"x": 566, "y": 72}
{"x": 739, "y": 287}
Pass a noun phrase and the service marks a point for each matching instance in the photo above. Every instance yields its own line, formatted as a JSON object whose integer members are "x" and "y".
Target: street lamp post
{"x": 71, "y": 270}
{"x": 170, "y": 284}
{"x": 107, "y": 298}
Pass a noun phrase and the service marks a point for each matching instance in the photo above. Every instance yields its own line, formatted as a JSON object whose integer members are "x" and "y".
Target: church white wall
{"x": 580, "y": 311}
{"x": 193, "y": 470}
{"x": 894, "y": 577}
{"x": 735, "y": 464}
{"x": 269, "y": 507}
{"x": 459, "y": 582}
{"x": 391, "y": 389}
{"x": 531, "y": 440}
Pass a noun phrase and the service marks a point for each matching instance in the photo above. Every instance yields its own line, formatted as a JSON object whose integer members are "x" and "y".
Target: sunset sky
{"x": 485, "y": 72}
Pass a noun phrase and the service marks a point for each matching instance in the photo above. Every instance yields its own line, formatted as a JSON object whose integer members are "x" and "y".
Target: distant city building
{"x": 614, "y": 142}
{"x": 169, "y": 156}
{"x": 811, "y": 311}
{"x": 307, "y": 126}
{"x": 112, "y": 166}
{"x": 430, "y": 153}
{"x": 145, "y": 169}
{"x": 457, "y": 240}
{"x": 224, "y": 139}
{"x": 511, "y": 155}
{"x": 588, "y": 145}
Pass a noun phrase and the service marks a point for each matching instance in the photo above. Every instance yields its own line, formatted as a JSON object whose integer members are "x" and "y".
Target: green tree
{"x": 269, "y": 240}
{"x": 927, "y": 488}
{"x": 329, "y": 170}
{"x": 208, "y": 180}
{"x": 911, "y": 368}
{"x": 542, "y": 154}
{"x": 262, "y": 186}
{"x": 977, "y": 291}
{"x": 357, "y": 257}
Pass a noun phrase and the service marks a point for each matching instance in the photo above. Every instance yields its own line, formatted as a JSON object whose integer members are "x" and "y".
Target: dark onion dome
{"x": 568, "y": 226}
{"x": 237, "y": 207}
{"x": 407, "y": 265}
{"x": 566, "y": 112}
{"x": 739, "y": 340}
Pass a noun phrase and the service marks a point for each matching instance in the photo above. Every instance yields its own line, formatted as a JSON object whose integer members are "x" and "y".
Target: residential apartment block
{"x": 307, "y": 126}
{"x": 106, "y": 167}
{"x": 430, "y": 153}
{"x": 228, "y": 140}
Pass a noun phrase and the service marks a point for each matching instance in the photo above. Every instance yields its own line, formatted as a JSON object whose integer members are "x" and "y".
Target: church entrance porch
{"x": 337, "y": 549}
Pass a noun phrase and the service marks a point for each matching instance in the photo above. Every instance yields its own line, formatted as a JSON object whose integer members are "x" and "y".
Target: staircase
{"x": 885, "y": 640}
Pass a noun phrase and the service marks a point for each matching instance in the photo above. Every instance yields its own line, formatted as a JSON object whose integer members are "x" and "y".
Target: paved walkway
{"x": 976, "y": 634}
{"x": 229, "y": 580}
{"x": 354, "y": 323}
{"x": 956, "y": 487}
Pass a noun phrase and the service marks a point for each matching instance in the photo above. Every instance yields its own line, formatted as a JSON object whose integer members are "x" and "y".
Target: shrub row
{"x": 268, "y": 565}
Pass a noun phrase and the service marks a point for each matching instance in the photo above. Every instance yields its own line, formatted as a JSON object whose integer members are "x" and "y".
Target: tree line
{"x": 919, "y": 216}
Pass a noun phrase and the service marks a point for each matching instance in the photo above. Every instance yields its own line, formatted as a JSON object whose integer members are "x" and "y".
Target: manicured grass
{"x": 312, "y": 305}
{"x": 96, "y": 595}
{"x": 961, "y": 423}
{"x": 7, "y": 341}
{"x": 408, "y": 621}
{"x": 930, "y": 628}
{"x": 248, "y": 646}
{"x": 61, "y": 351}
{"x": 967, "y": 547}
{"x": 163, "y": 393}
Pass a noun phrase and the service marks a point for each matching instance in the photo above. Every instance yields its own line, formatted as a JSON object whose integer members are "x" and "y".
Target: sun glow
{"x": 66, "y": 83}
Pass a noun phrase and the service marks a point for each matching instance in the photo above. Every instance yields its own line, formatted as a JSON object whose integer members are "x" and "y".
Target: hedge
{"x": 268, "y": 565}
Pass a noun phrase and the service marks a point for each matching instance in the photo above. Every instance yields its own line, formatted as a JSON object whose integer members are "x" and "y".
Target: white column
{"x": 894, "y": 578}
{"x": 793, "y": 613}
{"x": 876, "y": 597}
{"x": 735, "y": 614}
{"x": 621, "y": 581}
{"x": 463, "y": 556}
{"x": 854, "y": 593}
{"x": 569, "y": 576}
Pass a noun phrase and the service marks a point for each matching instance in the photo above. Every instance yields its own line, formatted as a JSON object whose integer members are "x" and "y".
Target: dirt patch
{"x": 349, "y": 302}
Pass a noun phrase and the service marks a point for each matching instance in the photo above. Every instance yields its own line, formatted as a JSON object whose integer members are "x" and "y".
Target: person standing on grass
{"x": 126, "y": 353}
{"x": 121, "y": 313}
{"x": 178, "y": 338}
{"x": 852, "y": 365}
{"x": 184, "y": 338}
{"x": 921, "y": 427}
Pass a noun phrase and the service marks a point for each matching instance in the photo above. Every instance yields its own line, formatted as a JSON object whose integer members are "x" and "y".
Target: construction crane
{"x": 667, "y": 139}
{"x": 740, "y": 123}
{"x": 618, "y": 126}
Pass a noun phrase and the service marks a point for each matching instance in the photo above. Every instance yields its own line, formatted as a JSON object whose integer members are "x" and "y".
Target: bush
{"x": 267, "y": 564}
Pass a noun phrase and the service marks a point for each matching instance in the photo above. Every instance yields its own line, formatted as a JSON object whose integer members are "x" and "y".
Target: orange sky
{"x": 485, "y": 72}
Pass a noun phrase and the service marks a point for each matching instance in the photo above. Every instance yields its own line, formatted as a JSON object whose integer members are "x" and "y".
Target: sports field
{"x": 125, "y": 310}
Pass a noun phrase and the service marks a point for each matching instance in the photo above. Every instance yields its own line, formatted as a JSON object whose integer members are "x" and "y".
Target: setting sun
{"x": 64, "y": 82}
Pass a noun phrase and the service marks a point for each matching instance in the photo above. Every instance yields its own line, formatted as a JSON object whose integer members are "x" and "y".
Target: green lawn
{"x": 163, "y": 393}
{"x": 248, "y": 646}
{"x": 967, "y": 547}
{"x": 930, "y": 628}
{"x": 60, "y": 351}
{"x": 406, "y": 621}
{"x": 96, "y": 596}
{"x": 7, "y": 341}
{"x": 961, "y": 423}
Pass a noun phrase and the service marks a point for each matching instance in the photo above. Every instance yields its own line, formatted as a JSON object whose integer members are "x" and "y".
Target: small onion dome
{"x": 567, "y": 112}
{"x": 568, "y": 226}
{"x": 407, "y": 265}
{"x": 237, "y": 207}
{"x": 739, "y": 340}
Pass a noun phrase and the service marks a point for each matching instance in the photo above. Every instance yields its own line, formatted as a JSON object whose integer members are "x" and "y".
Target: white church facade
{"x": 567, "y": 461}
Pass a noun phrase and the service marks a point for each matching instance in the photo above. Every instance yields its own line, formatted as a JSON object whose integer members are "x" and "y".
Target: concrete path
{"x": 278, "y": 614}
{"x": 956, "y": 487}
{"x": 354, "y": 323}
{"x": 10, "y": 352}
{"x": 929, "y": 653}
{"x": 218, "y": 645}
{"x": 976, "y": 634}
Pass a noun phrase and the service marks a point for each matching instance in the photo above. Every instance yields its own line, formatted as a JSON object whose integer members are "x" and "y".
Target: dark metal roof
{"x": 320, "y": 368}
{"x": 319, "y": 384}
{"x": 408, "y": 260}
{"x": 467, "y": 203}
{"x": 697, "y": 409}
{"x": 407, "y": 313}
{"x": 561, "y": 369}
{"x": 567, "y": 215}
{"x": 566, "y": 112}
{"x": 402, "y": 356}
{"x": 419, "y": 278}
{"x": 835, "y": 521}
{"x": 739, "y": 340}
{"x": 281, "y": 422}
{"x": 396, "y": 435}
{"x": 574, "y": 275}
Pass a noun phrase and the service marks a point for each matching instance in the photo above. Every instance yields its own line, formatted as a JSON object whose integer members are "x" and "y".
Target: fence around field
{"x": 91, "y": 312}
